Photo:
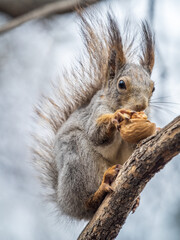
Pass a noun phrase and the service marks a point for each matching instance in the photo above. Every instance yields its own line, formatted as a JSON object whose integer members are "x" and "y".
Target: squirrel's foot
{"x": 136, "y": 204}
{"x": 95, "y": 199}
{"x": 109, "y": 176}
{"x": 121, "y": 115}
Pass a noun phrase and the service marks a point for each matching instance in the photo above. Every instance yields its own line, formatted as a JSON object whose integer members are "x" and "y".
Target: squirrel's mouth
{"x": 146, "y": 110}
{"x": 137, "y": 108}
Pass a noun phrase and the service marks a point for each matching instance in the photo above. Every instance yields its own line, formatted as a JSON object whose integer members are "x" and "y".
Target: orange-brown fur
{"x": 108, "y": 177}
{"x": 105, "y": 119}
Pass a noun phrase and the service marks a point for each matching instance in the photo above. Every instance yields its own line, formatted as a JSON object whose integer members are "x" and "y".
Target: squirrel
{"x": 83, "y": 152}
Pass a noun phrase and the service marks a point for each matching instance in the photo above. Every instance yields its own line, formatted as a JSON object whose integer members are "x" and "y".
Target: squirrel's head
{"x": 129, "y": 85}
{"x": 132, "y": 88}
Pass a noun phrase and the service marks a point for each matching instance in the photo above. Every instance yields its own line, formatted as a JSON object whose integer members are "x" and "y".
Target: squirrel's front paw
{"x": 109, "y": 176}
{"x": 121, "y": 115}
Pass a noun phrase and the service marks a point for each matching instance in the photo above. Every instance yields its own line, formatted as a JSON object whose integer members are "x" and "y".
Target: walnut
{"x": 139, "y": 115}
{"x": 137, "y": 128}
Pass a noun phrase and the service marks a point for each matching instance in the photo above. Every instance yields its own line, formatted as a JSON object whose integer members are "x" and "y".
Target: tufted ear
{"x": 147, "y": 58}
{"x": 116, "y": 59}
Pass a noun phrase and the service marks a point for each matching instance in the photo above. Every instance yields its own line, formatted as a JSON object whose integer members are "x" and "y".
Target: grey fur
{"x": 71, "y": 165}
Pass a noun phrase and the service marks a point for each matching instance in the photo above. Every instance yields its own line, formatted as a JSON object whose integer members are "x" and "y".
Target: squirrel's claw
{"x": 109, "y": 176}
{"x": 107, "y": 188}
{"x": 121, "y": 115}
{"x": 116, "y": 124}
{"x": 128, "y": 112}
{"x": 111, "y": 173}
{"x": 117, "y": 119}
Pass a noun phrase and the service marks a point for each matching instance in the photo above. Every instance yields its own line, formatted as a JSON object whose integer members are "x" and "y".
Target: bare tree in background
{"x": 26, "y": 10}
{"x": 17, "y": 8}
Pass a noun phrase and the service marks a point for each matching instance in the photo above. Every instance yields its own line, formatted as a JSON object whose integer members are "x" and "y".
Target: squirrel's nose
{"x": 140, "y": 106}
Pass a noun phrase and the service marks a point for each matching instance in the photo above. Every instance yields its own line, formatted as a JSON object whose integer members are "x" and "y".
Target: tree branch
{"x": 47, "y": 10}
{"x": 151, "y": 155}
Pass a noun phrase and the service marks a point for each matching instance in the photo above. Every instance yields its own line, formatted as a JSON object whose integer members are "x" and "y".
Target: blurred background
{"x": 34, "y": 54}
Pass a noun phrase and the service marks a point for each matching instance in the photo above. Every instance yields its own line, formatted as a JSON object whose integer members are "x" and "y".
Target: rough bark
{"x": 47, "y": 10}
{"x": 151, "y": 155}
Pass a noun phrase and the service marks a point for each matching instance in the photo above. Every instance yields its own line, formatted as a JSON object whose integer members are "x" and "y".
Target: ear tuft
{"x": 147, "y": 58}
{"x": 116, "y": 54}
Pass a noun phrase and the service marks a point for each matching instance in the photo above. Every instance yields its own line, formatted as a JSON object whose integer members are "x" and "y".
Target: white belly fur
{"x": 118, "y": 151}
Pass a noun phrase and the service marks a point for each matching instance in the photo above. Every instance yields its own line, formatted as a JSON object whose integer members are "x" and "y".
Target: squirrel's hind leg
{"x": 109, "y": 176}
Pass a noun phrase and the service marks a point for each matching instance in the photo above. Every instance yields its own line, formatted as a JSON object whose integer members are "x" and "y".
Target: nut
{"x": 137, "y": 128}
{"x": 139, "y": 115}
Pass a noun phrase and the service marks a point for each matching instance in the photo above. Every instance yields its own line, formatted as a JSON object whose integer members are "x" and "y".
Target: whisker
{"x": 163, "y": 109}
{"x": 169, "y": 111}
{"x": 174, "y": 103}
{"x": 162, "y": 97}
{"x": 166, "y": 97}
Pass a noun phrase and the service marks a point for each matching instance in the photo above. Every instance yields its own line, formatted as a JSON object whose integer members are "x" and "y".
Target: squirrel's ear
{"x": 112, "y": 65}
{"x": 116, "y": 58}
{"x": 147, "y": 58}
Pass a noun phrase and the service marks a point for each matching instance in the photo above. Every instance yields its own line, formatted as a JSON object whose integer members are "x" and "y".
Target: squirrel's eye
{"x": 122, "y": 84}
{"x": 153, "y": 89}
